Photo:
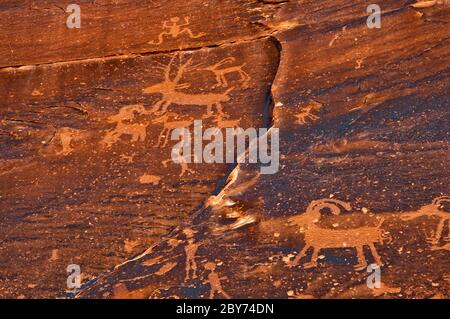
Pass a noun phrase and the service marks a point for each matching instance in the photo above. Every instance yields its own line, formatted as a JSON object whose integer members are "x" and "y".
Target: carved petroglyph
{"x": 191, "y": 251}
{"x": 215, "y": 281}
{"x": 429, "y": 3}
{"x": 433, "y": 209}
{"x": 149, "y": 179}
{"x": 307, "y": 113}
{"x": 319, "y": 238}
{"x": 444, "y": 247}
{"x": 169, "y": 89}
{"x": 174, "y": 28}
{"x": 126, "y": 114}
{"x": 220, "y": 71}
{"x": 63, "y": 139}
{"x": 169, "y": 125}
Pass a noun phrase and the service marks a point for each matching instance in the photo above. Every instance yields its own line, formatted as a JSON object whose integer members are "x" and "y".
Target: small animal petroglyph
{"x": 169, "y": 89}
{"x": 433, "y": 209}
{"x": 149, "y": 179}
{"x": 191, "y": 251}
{"x": 215, "y": 281}
{"x": 174, "y": 28}
{"x": 137, "y": 131}
{"x": 319, "y": 238}
{"x": 65, "y": 136}
{"x": 220, "y": 72}
{"x": 169, "y": 125}
{"x": 307, "y": 113}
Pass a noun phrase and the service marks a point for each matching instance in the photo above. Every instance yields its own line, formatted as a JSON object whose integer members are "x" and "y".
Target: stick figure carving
{"x": 175, "y": 28}
{"x": 319, "y": 238}
{"x": 221, "y": 73}
{"x": 168, "y": 126}
{"x": 169, "y": 89}
{"x": 191, "y": 250}
{"x": 124, "y": 127}
{"x": 215, "y": 281}
{"x": 433, "y": 209}
{"x": 307, "y": 113}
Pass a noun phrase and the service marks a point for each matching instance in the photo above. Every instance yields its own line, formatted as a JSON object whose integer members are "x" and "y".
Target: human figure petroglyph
{"x": 319, "y": 238}
{"x": 191, "y": 251}
{"x": 170, "y": 94}
{"x": 307, "y": 113}
{"x": 169, "y": 125}
{"x": 215, "y": 281}
{"x": 174, "y": 28}
{"x": 220, "y": 72}
{"x": 433, "y": 209}
{"x": 137, "y": 131}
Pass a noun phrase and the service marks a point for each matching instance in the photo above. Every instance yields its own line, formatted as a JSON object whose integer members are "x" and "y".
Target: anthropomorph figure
{"x": 174, "y": 28}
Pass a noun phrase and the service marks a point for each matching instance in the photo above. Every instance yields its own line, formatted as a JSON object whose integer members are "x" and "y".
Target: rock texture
{"x": 364, "y": 121}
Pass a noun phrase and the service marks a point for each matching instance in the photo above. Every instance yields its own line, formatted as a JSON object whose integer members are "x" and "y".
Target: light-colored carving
{"x": 191, "y": 251}
{"x": 137, "y": 131}
{"x": 220, "y": 71}
{"x": 174, "y": 28}
{"x": 66, "y": 136}
{"x": 169, "y": 125}
{"x": 307, "y": 113}
{"x": 215, "y": 281}
{"x": 433, "y": 209}
{"x": 149, "y": 179}
{"x": 319, "y": 238}
{"x": 170, "y": 94}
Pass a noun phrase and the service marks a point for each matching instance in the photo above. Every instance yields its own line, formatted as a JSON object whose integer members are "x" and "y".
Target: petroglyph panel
{"x": 363, "y": 117}
{"x": 86, "y": 163}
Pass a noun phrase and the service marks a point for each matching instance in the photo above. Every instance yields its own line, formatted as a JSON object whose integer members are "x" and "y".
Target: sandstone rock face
{"x": 87, "y": 176}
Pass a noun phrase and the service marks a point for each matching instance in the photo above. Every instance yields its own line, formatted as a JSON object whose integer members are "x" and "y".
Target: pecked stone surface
{"x": 86, "y": 174}
{"x": 364, "y": 149}
{"x": 363, "y": 119}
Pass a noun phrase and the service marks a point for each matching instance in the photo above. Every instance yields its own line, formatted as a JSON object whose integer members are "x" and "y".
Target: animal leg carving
{"x": 299, "y": 256}
{"x": 375, "y": 254}
{"x": 362, "y": 263}
{"x": 313, "y": 262}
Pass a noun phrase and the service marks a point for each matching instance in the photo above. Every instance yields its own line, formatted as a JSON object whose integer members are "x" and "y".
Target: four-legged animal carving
{"x": 433, "y": 210}
{"x": 307, "y": 113}
{"x": 123, "y": 127}
{"x": 319, "y": 238}
{"x": 221, "y": 73}
{"x": 168, "y": 126}
{"x": 170, "y": 94}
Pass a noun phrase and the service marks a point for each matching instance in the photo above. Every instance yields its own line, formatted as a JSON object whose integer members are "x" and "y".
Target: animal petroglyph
{"x": 137, "y": 131}
{"x": 64, "y": 137}
{"x": 433, "y": 209}
{"x": 307, "y": 113}
{"x": 191, "y": 251}
{"x": 170, "y": 94}
{"x": 220, "y": 71}
{"x": 215, "y": 281}
{"x": 169, "y": 125}
{"x": 174, "y": 28}
{"x": 149, "y": 179}
{"x": 319, "y": 238}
